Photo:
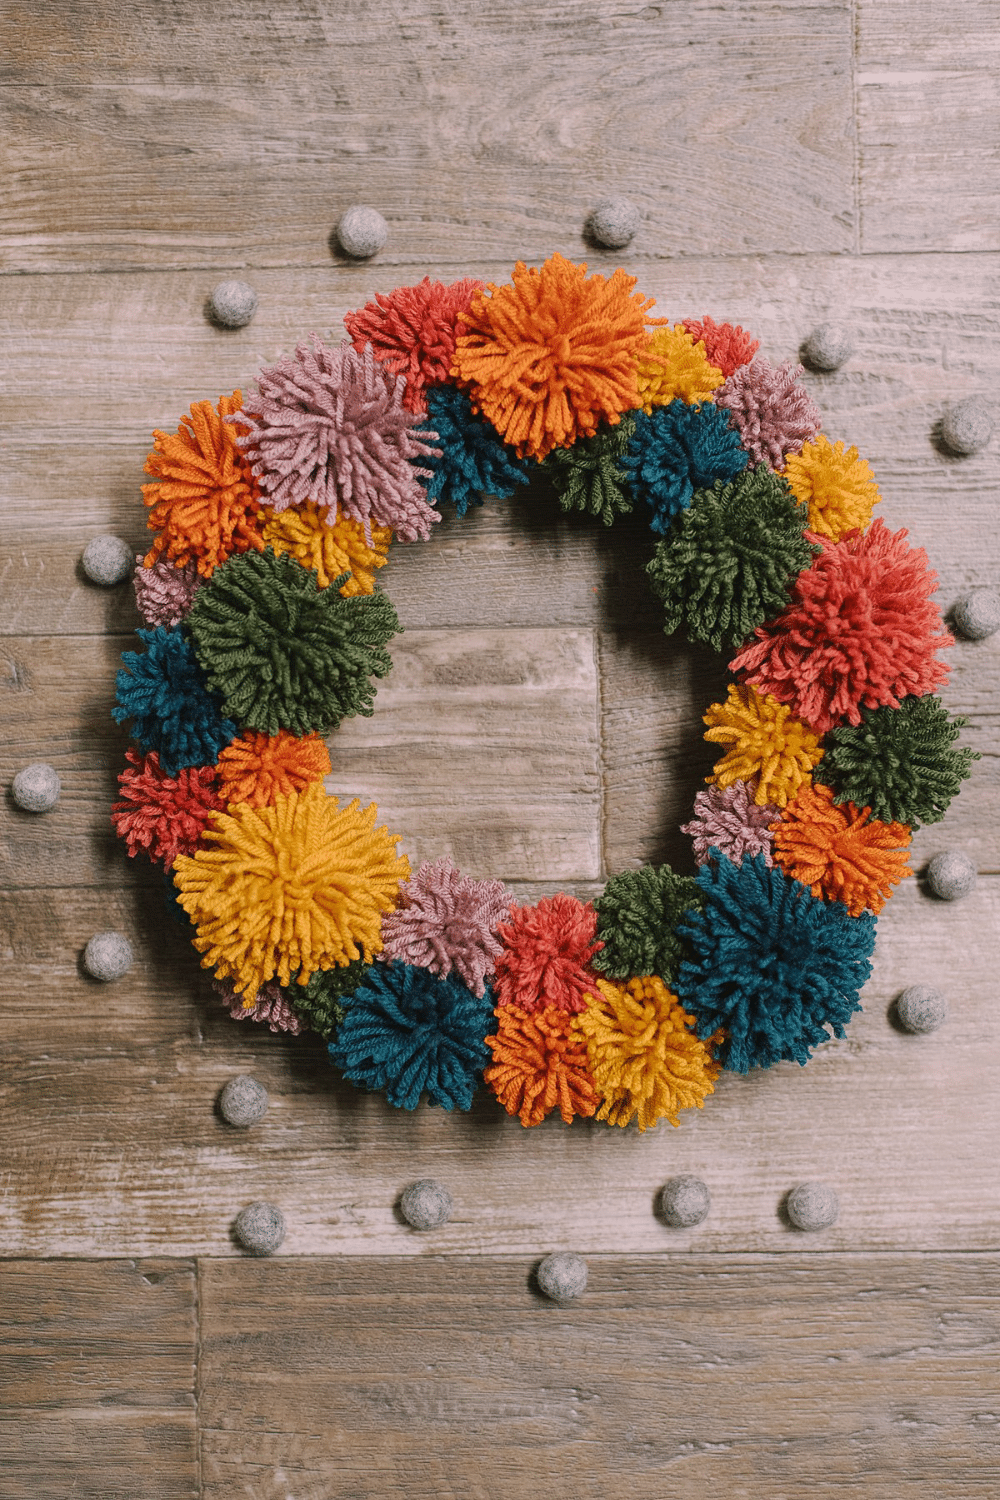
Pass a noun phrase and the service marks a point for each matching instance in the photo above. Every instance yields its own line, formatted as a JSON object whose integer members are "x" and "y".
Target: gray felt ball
{"x": 614, "y": 222}
{"x": 684, "y": 1202}
{"x": 425, "y": 1204}
{"x": 563, "y": 1276}
{"x": 967, "y": 426}
{"x": 362, "y": 232}
{"x": 36, "y": 787}
{"x": 812, "y": 1205}
{"x": 108, "y": 560}
{"x": 233, "y": 303}
{"x": 921, "y": 1008}
{"x": 977, "y": 614}
{"x": 108, "y": 956}
{"x": 260, "y": 1228}
{"x": 951, "y": 875}
{"x": 243, "y": 1101}
{"x": 827, "y": 347}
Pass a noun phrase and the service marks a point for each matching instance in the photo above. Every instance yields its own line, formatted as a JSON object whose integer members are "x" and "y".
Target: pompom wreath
{"x": 331, "y": 545}
{"x": 775, "y": 967}
{"x": 546, "y": 954}
{"x": 552, "y": 355}
{"x": 259, "y": 768}
{"x": 408, "y": 1033}
{"x": 838, "y": 487}
{"x": 284, "y": 653}
{"x": 764, "y": 742}
{"x": 841, "y": 852}
{"x": 727, "y": 345}
{"x": 540, "y": 1064}
{"x": 899, "y": 761}
{"x": 860, "y": 631}
{"x": 731, "y": 559}
{"x": 729, "y": 819}
{"x": 206, "y": 503}
{"x": 322, "y": 1002}
{"x": 163, "y": 692}
{"x": 329, "y": 425}
{"x": 269, "y": 1007}
{"x": 773, "y": 415}
{"x": 676, "y": 450}
{"x": 164, "y": 592}
{"x": 471, "y": 460}
{"x": 446, "y": 921}
{"x": 637, "y": 919}
{"x": 646, "y": 1060}
{"x": 591, "y": 475}
{"x": 159, "y": 815}
{"x": 286, "y": 890}
{"x": 672, "y": 367}
{"x": 412, "y": 332}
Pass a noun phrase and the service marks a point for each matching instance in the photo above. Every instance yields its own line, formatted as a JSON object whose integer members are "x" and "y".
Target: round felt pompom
{"x": 362, "y": 232}
{"x": 613, "y": 222}
{"x": 977, "y": 614}
{"x": 812, "y": 1205}
{"x": 684, "y": 1202}
{"x": 828, "y": 347}
{"x": 243, "y": 1101}
{"x": 233, "y": 304}
{"x": 951, "y": 875}
{"x": 562, "y": 1277}
{"x": 108, "y": 956}
{"x": 108, "y": 560}
{"x": 425, "y": 1204}
{"x": 36, "y": 788}
{"x": 921, "y": 1008}
{"x": 967, "y": 426}
{"x": 260, "y": 1228}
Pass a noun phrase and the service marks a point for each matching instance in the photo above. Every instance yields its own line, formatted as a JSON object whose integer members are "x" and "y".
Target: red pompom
{"x": 727, "y": 345}
{"x": 412, "y": 332}
{"x": 545, "y": 955}
{"x": 860, "y": 631}
{"x": 161, "y": 815}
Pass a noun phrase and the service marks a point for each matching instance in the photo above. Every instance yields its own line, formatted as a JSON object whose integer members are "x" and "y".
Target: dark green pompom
{"x": 728, "y": 563}
{"x": 589, "y": 476}
{"x": 281, "y": 652}
{"x": 898, "y": 761}
{"x": 320, "y": 1002}
{"x": 637, "y": 919}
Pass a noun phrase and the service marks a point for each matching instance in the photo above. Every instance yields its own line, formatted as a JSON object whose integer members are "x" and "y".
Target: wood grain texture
{"x": 677, "y": 1376}
{"x": 97, "y": 1380}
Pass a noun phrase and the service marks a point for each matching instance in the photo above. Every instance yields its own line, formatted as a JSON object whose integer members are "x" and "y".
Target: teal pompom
{"x": 163, "y": 692}
{"x": 473, "y": 460}
{"x": 677, "y": 449}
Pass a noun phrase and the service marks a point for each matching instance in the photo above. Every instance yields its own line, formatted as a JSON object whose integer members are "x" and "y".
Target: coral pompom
{"x": 672, "y": 367}
{"x": 446, "y": 921}
{"x": 546, "y": 952}
{"x": 841, "y": 852}
{"x": 259, "y": 768}
{"x": 330, "y": 544}
{"x": 159, "y": 815}
{"x": 412, "y": 332}
{"x": 838, "y": 486}
{"x": 765, "y": 742}
{"x": 773, "y": 414}
{"x": 540, "y": 1063}
{"x": 727, "y": 345}
{"x": 730, "y": 820}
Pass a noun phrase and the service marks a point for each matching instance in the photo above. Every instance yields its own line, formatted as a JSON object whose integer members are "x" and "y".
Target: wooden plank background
{"x": 793, "y": 160}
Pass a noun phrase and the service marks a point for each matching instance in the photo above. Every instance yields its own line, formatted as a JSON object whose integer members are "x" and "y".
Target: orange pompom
{"x": 258, "y": 768}
{"x": 840, "y": 852}
{"x": 540, "y": 1064}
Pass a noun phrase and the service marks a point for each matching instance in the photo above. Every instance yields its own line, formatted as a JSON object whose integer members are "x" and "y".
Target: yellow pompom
{"x": 303, "y": 532}
{"x": 764, "y": 741}
{"x": 673, "y": 366}
{"x": 838, "y": 486}
{"x": 297, "y": 886}
{"x": 646, "y": 1061}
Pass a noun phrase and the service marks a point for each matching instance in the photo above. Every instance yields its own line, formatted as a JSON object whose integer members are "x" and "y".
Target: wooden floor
{"x": 793, "y": 160}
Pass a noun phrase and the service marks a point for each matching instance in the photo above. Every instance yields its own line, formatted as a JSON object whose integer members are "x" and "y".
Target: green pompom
{"x": 320, "y": 1002}
{"x": 589, "y": 476}
{"x": 729, "y": 560}
{"x": 282, "y": 653}
{"x": 637, "y": 919}
{"x": 898, "y": 761}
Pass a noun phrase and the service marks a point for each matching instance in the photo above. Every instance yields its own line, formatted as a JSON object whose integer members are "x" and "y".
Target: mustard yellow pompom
{"x": 304, "y": 533}
{"x": 673, "y": 366}
{"x": 838, "y": 486}
{"x": 646, "y": 1060}
{"x": 764, "y": 741}
{"x": 297, "y": 886}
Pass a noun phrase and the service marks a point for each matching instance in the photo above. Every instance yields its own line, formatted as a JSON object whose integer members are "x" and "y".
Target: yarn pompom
{"x": 270, "y": 1007}
{"x": 673, "y": 367}
{"x": 729, "y": 819}
{"x": 841, "y": 852}
{"x": 676, "y": 450}
{"x": 637, "y": 918}
{"x": 899, "y": 761}
{"x": 322, "y": 1002}
{"x": 764, "y": 741}
{"x": 163, "y": 692}
{"x": 331, "y": 544}
{"x": 283, "y": 653}
{"x": 730, "y": 559}
{"x": 775, "y": 966}
{"x": 540, "y": 1064}
{"x": 472, "y": 460}
{"x": 546, "y": 953}
{"x": 646, "y": 1060}
{"x": 773, "y": 415}
{"x": 329, "y": 425}
{"x": 407, "y": 1033}
{"x": 259, "y": 768}
{"x": 164, "y": 593}
{"x": 446, "y": 921}
{"x": 860, "y": 631}
{"x": 549, "y": 357}
{"x": 835, "y": 483}
{"x": 412, "y": 332}
{"x": 590, "y": 476}
{"x": 727, "y": 345}
{"x": 289, "y": 889}
{"x": 161, "y": 815}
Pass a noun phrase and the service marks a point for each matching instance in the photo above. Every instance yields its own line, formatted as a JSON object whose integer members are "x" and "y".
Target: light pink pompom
{"x": 773, "y": 415}
{"x": 270, "y": 1007}
{"x": 446, "y": 921}
{"x": 728, "y": 819}
{"x": 164, "y": 593}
